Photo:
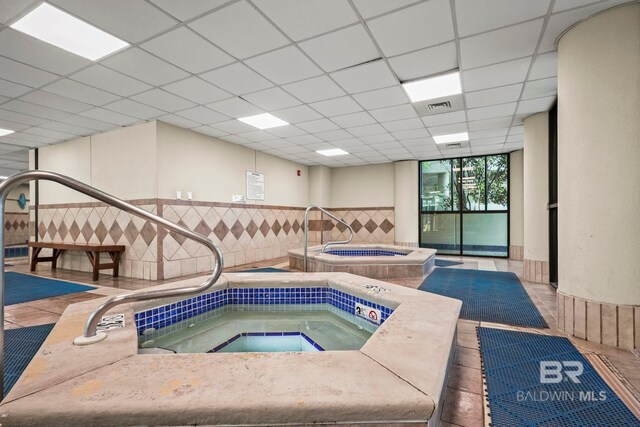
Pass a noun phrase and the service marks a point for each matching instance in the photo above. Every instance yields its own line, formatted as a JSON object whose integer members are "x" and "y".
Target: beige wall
{"x": 214, "y": 170}
{"x": 536, "y": 187}
{"x": 12, "y": 200}
{"x": 516, "y": 202}
{"x": 598, "y": 158}
{"x": 406, "y": 202}
{"x": 363, "y": 186}
{"x": 320, "y": 186}
{"x": 73, "y": 159}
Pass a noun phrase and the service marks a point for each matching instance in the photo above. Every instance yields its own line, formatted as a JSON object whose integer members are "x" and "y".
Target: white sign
{"x": 368, "y": 313}
{"x": 255, "y": 186}
{"x": 238, "y": 198}
{"x": 111, "y": 321}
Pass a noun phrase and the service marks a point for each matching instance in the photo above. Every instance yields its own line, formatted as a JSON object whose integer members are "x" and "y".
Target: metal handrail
{"x": 90, "y": 335}
{"x": 324, "y": 247}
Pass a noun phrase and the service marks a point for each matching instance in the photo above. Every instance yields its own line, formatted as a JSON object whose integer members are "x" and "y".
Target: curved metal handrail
{"x": 90, "y": 334}
{"x": 324, "y": 247}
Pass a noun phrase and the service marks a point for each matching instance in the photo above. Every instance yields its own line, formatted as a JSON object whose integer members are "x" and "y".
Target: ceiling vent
{"x": 439, "y": 106}
{"x": 453, "y": 146}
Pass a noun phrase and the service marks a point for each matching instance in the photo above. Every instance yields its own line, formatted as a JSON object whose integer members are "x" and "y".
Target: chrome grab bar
{"x": 90, "y": 333}
{"x": 324, "y": 247}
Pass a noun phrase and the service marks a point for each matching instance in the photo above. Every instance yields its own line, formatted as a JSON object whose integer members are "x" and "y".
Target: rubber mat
{"x": 20, "y": 346}
{"x": 446, "y": 263}
{"x": 520, "y": 395}
{"x": 263, "y": 270}
{"x": 488, "y": 296}
{"x": 21, "y": 288}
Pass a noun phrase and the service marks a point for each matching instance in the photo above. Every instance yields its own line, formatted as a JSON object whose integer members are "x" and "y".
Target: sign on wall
{"x": 255, "y": 186}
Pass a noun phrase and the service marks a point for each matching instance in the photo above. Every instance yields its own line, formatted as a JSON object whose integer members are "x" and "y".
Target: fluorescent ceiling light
{"x": 332, "y": 152}
{"x": 4, "y": 132}
{"x": 263, "y": 121}
{"x": 453, "y": 137}
{"x": 433, "y": 87}
{"x": 53, "y": 26}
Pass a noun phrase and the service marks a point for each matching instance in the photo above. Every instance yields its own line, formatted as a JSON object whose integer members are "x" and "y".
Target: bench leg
{"x": 34, "y": 258}
{"x": 115, "y": 257}
{"x": 96, "y": 265}
{"x": 56, "y": 255}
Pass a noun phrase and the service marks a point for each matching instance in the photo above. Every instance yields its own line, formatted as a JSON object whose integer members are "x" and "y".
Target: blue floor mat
{"x": 20, "y": 346}
{"x": 264, "y": 270}
{"x": 446, "y": 263}
{"x": 21, "y": 288}
{"x": 488, "y": 296}
{"x": 516, "y": 396}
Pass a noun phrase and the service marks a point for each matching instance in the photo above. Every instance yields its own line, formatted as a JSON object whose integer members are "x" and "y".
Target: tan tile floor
{"x": 463, "y": 405}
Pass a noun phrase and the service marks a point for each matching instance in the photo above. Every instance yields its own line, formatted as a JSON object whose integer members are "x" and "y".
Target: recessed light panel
{"x": 433, "y": 87}
{"x": 453, "y": 137}
{"x": 4, "y": 132}
{"x": 332, "y": 152}
{"x": 53, "y": 26}
{"x": 263, "y": 121}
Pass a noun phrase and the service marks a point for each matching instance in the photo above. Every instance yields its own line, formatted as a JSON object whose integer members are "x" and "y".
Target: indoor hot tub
{"x": 377, "y": 261}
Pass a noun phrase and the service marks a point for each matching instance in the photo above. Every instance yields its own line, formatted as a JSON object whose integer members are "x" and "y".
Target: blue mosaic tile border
{"x": 166, "y": 315}
{"x": 266, "y": 334}
{"x": 16, "y": 251}
{"x": 364, "y": 252}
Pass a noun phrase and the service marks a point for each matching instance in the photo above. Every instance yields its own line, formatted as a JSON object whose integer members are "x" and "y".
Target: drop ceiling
{"x": 331, "y": 68}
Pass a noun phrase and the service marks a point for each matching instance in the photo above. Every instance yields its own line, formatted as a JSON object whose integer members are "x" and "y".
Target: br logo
{"x": 553, "y": 371}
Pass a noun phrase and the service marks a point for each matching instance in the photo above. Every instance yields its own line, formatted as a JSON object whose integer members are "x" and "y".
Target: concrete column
{"x": 516, "y": 205}
{"x": 536, "y": 197}
{"x": 599, "y": 178}
{"x": 405, "y": 202}
{"x": 320, "y": 186}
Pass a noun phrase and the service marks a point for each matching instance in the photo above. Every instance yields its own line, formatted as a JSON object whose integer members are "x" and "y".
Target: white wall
{"x": 363, "y": 186}
{"x": 214, "y": 170}
{"x": 516, "y": 201}
{"x": 406, "y": 202}
{"x": 320, "y": 186}
{"x": 12, "y": 205}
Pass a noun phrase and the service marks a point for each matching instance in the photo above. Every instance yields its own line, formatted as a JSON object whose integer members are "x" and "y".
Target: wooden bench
{"x": 93, "y": 251}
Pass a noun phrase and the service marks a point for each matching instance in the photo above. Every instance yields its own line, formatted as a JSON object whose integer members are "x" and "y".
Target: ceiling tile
{"x": 197, "y": 90}
{"x": 336, "y": 106}
{"x": 374, "y": 75}
{"x": 416, "y": 27}
{"x": 21, "y": 118}
{"x": 80, "y": 92}
{"x": 257, "y": 136}
{"x": 334, "y": 135}
{"x": 425, "y": 62}
{"x": 202, "y": 115}
{"x": 237, "y": 79}
{"x": 406, "y": 124}
{"x": 341, "y": 49}
{"x": 304, "y": 139}
{"x": 390, "y": 114}
{"x": 235, "y": 107}
{"x": 354, "y": 119}
{"x": 496, "y": 75}
{"x": 366, "y": 130}
{"x": 514, "y": 138}
{"x": 31, "y": 51}
{"x": 476, "y": 17}
{"x": 536, "y": 105}
{"x": 489, "y": 133}
{"x": 322, "y": 125}
{"x": 144, "y": 66}
{"x": 57, "y": 102}
{"x": 110, "y": 117}
{"x": 134, "y": 109}
{"x": 30, "y": 109}
{"x": 497, "y": 95}
{"x": 500, "y": 45}
{"x": 516, "y": 130}
{"x": 189, "y": 9}
{"x": 48, "y": 133}
{"x": 17, "y": 127}
{"x": 272, "y": 99}
{"x": 166, "y": 101}
{"x": 492, "y": 111}
{"x": 234, "y": 126}
{"x": 208, "y": 130}
{"x": 175, "y": 120}
{"x": 122, "y": 18}
{"x": 24, "y": 74}
{"x": 240, "y": 30}
{"x": 298, "y": 114}
{"x": 315, "y": 89}
{"x": 488, "y": 141}
{"x": 490, "y": 123}
{"x": 109, "y": 80}
{"x": 377, "y": 139}
{"x": 304, "y": 19}
{"x": 10, "y": 9}
{"x": 12, "y": 90}
{"x": 444, "y": 118}
{"x": 71, "y": 129}
{"x": 412, "y": 133}
{"x": 447, "y": 129}
{"x": 545, "y": 65}
{"x": 370, "y": 8}
{"x": 286, "y": 131}
{"x": 284, "y": 65}
{"x": 540, "y": 88}
{"x": 380, "y": 98}
{"x": 86, "y": 122}
{"x": 172, "y": 47}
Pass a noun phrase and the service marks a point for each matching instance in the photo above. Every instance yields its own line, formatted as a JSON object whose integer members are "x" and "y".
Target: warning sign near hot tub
{"x": 371, "y": 314}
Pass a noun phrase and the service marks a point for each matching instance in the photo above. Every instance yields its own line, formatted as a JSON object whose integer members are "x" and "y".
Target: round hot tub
{"x": 376, "y": 261}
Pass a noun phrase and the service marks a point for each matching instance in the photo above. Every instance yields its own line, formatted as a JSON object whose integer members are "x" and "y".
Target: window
{"x": 464, "y": 205}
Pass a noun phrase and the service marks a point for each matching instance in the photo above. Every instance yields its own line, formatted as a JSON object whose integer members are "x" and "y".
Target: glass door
{"x": 553, "y": 196}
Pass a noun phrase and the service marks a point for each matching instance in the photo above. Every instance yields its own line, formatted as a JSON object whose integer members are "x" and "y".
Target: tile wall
{"x": 16, "y": 228}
